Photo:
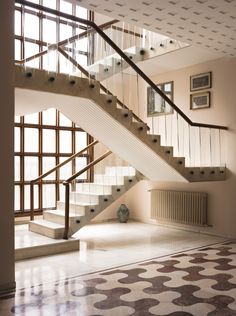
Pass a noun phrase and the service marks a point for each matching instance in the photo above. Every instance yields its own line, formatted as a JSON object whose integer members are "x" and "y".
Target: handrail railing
{"x": 51, "y": 171}
{"x": 67, "y": 188}
{"x": 122, "y": 55}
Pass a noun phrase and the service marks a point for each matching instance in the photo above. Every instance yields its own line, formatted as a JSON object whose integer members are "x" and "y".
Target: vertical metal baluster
{"x": 210, "y": 150}
{"x": 165, "y": 131}
{"x": 177, "y": 132}
{"x": 220, "y": 147}
{"x": 200, "y": 147}
{"x": 189, "y": 140}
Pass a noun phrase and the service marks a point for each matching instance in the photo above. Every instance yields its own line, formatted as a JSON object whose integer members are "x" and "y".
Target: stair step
{"x": 141, "y": 127}
{"x": 78, "y": 209}
{"x": 47, "y": 228}
{"x": 78, "y": 197}
{"x": 94, "y": 188}
{"x": 125, "y": 115}
{"x": 58, "y": 216}
{"x": 108, "y": 180}
{"x": 120, "y": 171}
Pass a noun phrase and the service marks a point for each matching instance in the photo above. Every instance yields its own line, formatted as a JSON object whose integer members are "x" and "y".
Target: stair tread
{"x": 48, "y": 224}
{"x": 62, "y": 213}
{"x": 89, "y": 193}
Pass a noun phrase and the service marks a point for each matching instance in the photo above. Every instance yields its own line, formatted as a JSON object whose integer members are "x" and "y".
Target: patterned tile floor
{"x": 196, "y": 282}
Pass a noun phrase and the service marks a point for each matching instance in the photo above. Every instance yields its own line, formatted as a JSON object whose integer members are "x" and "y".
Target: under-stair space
{"x": 86, "y": 202}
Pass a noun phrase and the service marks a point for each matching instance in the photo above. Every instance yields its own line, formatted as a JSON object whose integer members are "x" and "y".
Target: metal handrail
{"x": 122, "y": 55}
{"x": 32, "y": 182}
{"x": 67, "y": 182}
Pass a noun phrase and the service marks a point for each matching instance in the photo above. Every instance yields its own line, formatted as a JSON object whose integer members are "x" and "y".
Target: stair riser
{"x": 79, "y": 209}
{"x": 59, "y": 219}
{"x": 84, "y": 198}
{"x": 109, "y": 180}
{"x": 45, "y": 231}
{"x": 120, "y": 171}
{"x": 94, "y": 188}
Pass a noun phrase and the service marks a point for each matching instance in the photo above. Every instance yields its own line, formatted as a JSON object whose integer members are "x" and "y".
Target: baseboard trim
{"x": 7, "y": 288}
{"x": 195, "y": 229}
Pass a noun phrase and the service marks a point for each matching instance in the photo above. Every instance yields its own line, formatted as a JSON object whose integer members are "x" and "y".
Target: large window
{"x": 35, "y": 30}
{"x": 43, "y": 140}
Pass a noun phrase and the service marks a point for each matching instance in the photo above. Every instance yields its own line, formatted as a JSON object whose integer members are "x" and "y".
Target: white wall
{"x": 7, "y": 263}
{"x": 222, "y": 195}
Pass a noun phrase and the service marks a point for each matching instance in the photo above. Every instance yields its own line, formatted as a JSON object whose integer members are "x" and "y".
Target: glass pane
{"x": 31, "y": 168}
{"x": 17, "y": 168}
{"x": 32, "y": 118}
{"x": 49, "y": 163}
{"x": 49, "y": 31}
{"x": 167, "y": 87}
{"x": 64, "y": 121}
{"x": 82, "y": 59}
{"x": 17, "y": 138}
{"x": 50, "y": 61}
{"x": 17, "y": 198}
{"x": 49, "y": 117}
{"x": 49, "y": 141}
{"x": 17, "y": 50}
{"x": 65, "y": 65}
{"x": 62, "y": 192}
{"x": 66, "y": 170}
{"x": 65, "y": 31}
{"x": 49, "y": 195}
{"x": 65, "y": 7}
{"x": 81, "y": 162}
{"x": 80, "y": 140}
{"x": 17, "y": 22}
{"x": 81, "y": 12}
{"x": 27, "y": 196}
{"x": 50, "y": 3}
{"x": 31, "y": 139}
{"x": 30, "y": 50}
{"x": 65, "y": 142}
{"x": 31, "y": 26}
{"x": 82, "y": 44}
{"x": 17, "y": 119}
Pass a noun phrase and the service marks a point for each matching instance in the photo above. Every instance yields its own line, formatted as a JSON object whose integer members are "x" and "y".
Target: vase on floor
{"x": 123, "y": 213}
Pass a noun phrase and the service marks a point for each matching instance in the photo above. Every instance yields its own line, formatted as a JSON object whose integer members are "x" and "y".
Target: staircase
{"x": 98, "y": 114}
{"x": 86, "y": 202}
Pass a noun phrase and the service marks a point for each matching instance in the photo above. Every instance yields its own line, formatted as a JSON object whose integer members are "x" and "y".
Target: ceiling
{"x": 207, "y": 24}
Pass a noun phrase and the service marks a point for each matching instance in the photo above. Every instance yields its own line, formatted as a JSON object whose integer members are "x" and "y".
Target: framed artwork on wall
{"x": 200, "y": 100}
{"x": 200, "y": 81}
{"x": 156, "y": 105}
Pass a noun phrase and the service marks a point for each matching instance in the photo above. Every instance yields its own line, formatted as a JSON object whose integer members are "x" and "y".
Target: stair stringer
{"x": 98, "y": 115}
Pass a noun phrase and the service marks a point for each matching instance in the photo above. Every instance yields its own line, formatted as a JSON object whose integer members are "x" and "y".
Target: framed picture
{"x": 200, "y": 100}
{"x": 156, "y": 105}
{"x": 200, "y": 82}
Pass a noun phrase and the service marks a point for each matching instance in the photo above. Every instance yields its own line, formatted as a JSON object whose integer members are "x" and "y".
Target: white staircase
{"x": 99, "y": 115}
{"x": 86, "y": 202}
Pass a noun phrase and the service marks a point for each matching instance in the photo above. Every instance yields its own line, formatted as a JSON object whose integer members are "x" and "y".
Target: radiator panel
{"x": 179, "y": 206}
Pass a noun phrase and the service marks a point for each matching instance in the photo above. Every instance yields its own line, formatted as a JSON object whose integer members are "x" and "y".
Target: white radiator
{"x": 178, "y": 206}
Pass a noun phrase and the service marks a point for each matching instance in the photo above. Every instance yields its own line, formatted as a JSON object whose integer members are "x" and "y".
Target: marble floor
{"x": 129, "y": 269}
